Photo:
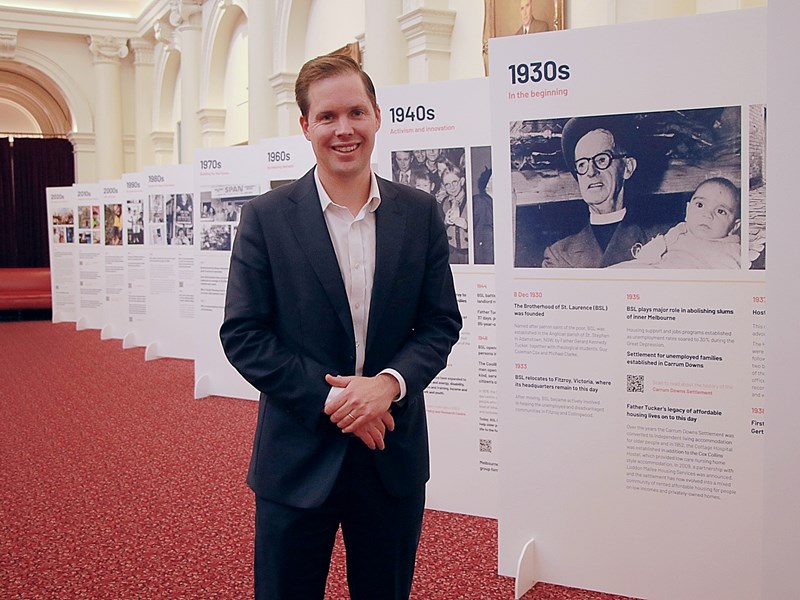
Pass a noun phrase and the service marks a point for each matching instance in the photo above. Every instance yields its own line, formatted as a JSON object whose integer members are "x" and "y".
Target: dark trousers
{"x": 293, "y": 546}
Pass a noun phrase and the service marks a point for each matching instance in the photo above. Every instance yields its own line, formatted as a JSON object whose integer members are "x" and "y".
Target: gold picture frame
{"x": 504, "y": 17}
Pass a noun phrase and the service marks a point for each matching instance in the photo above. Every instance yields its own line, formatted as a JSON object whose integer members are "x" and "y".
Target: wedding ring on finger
{"x": 351, "y": 416}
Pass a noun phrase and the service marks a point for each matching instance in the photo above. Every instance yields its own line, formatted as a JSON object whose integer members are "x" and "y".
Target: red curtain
{"x": 36, "y": 164}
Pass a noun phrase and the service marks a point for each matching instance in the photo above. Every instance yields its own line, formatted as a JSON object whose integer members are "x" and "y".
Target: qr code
{"x": 486, "y": 445}
{"x": 636, "y": 383}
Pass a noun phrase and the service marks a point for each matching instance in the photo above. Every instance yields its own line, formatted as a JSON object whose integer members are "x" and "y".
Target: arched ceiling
{"x": 26, "y": 90}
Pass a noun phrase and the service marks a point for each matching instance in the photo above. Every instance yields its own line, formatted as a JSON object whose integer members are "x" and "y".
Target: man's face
{"x": 432, "y": 154}
{"x": 403, "y": 160}
{"x": 341, "y": 126}
{"x": 526, "y": 12}
{"x": 602, "y": 188}
{"x": 711, "y": 213}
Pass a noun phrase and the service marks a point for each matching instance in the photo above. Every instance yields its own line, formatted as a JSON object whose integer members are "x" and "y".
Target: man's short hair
{"x": 619, "y": 126}
{"x": 419, "y": 172}
{"x": 323, "y": 67}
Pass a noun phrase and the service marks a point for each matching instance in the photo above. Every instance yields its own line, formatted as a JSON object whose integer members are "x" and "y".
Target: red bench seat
{"x": 25, "y": 289}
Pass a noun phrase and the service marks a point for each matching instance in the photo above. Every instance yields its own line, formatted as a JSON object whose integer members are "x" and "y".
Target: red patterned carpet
{"x": 116, "y": 483}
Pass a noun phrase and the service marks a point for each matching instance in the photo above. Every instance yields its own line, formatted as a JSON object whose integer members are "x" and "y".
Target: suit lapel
{"x": 390, "y": 223}
{"x": 620, "y": 247}
{"x": 586, "y": 251}
{"x": 304, "y": 216}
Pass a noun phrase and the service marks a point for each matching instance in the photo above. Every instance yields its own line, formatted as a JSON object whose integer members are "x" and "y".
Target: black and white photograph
{"x": 482, "y": 205}
{"x": 134, "y": 222}
{"x": 642, "y": 190}
{"x": 183, "y": 235}
{"x": 276, "y": 183}
{"x": 157, "y": 235}
{"x": 221, "y": 210}
{"x": 216, "y": 237}
{"x": 179, "y": 219}
{"x": 208, "y": 211}
{"x": 442, "y": 173}
{"x": 156, "y": 214}
{"x": 757, "y": 221}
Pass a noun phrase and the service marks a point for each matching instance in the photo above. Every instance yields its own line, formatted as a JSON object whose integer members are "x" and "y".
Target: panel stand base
{"x": 526, "y": 566}
{"x": 201, "y": 387}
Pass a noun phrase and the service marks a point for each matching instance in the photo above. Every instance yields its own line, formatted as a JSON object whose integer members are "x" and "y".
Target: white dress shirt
{"x": 353, "y": 239}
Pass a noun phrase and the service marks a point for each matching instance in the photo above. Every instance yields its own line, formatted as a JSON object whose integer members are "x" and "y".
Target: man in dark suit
{"x": 340, "y": 310}
{"x": 600, "y": 152}
{"x": 401, "y": 168}
{"x": 530, "y": 24}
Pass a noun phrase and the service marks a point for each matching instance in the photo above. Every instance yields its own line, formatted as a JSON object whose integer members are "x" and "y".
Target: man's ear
{"x": 304, "y": 126}
{"x": 630, "y": 167}
{"x": 378, "y": 116}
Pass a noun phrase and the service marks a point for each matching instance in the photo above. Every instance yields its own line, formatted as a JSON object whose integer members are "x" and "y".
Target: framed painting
{"x": 519, "y": 17}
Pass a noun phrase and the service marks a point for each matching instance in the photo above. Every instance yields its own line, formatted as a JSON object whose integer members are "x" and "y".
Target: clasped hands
{"x": 362, "y": 408}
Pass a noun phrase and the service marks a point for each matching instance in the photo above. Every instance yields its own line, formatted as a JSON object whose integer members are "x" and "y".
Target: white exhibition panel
{"x": 226, "y": 178}
{"x": 115, "y": 302}
{"x": 782, "y": 451}
{"x": 137, "y": 270}
{"x": 631, "y": 400}
{"x": 89, "y": 237}
{"x": 426, "y": 129}
{"x": 63, "y": 253}
{"x": 169, "y": 237}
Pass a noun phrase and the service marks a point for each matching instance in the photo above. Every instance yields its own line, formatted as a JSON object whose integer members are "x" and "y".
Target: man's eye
{"x": 698, "y": 204}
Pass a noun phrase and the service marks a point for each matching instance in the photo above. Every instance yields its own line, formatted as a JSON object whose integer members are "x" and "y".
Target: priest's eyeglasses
{"x": 600, "y": 161}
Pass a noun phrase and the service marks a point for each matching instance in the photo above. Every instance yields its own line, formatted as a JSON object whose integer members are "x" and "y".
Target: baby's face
{"x": 711, "y": 213}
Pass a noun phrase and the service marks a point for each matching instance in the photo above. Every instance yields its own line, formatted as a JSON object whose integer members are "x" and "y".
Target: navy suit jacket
{"x": 287, "y": 323}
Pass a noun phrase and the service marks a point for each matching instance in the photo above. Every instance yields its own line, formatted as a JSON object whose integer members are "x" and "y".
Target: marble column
{"x": 83, "y": 147}
{"x": 185, "y": 16}
{"x": 108, "y": 51}
{"x": 287, "y": 112}
{"x": 261, "y": 99}
{"x": 428, "y": 31}
{"x": 143, "y": 100}
{"x": 212, "y": 127}
{"x": 163, "y": 147}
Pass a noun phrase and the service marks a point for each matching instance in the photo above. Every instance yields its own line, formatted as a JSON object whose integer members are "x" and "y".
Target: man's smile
{"x": 346, "y": 149}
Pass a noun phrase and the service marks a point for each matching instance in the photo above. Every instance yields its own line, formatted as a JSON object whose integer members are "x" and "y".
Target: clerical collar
{"x": 607, "y": 218}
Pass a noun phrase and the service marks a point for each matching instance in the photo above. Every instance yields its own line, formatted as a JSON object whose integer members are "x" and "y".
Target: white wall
{"x": 332, "y": 25}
